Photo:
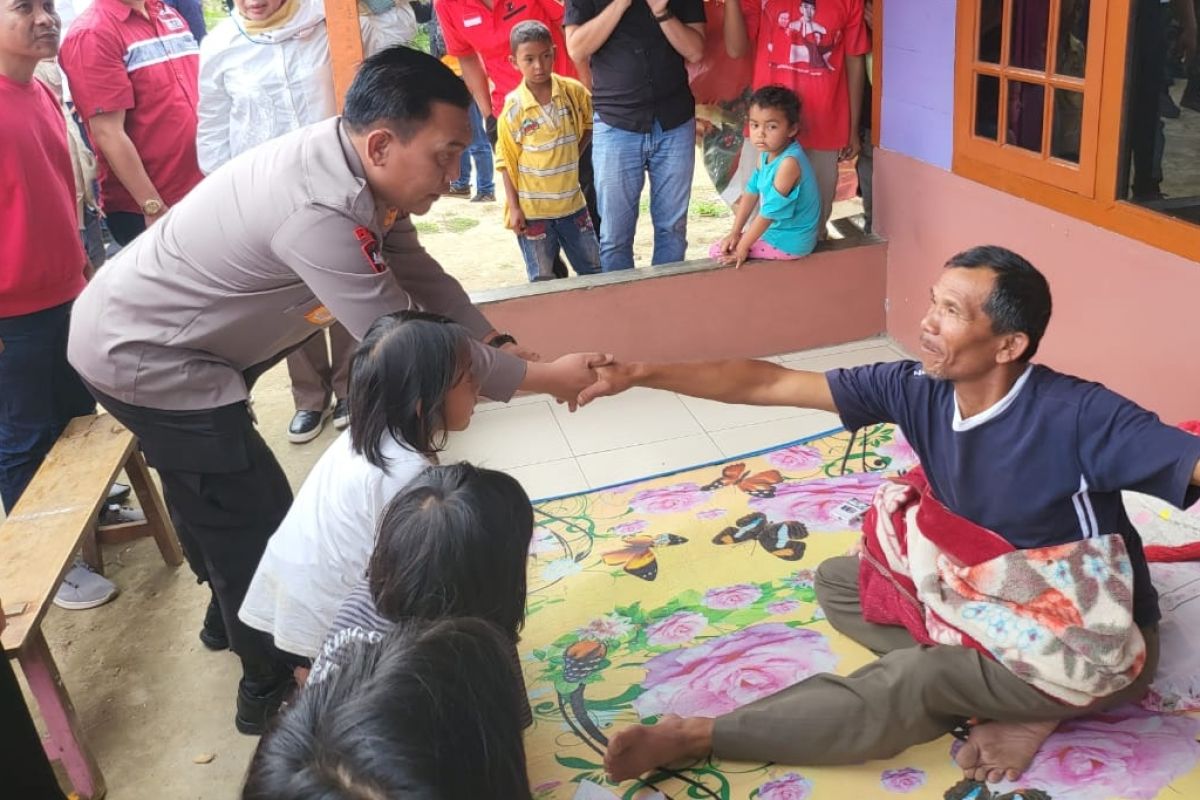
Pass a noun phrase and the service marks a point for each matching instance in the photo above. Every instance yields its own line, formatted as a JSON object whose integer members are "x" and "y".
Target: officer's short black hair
{"x": 398, "y": 87}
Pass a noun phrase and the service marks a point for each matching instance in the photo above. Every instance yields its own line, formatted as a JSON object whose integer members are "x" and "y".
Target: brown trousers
{"x": 313, "y": 376}
{"x": 910, "y": 695}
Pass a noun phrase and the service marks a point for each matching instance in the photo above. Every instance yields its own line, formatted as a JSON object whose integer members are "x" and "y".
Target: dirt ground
{"x": 157, "y": 707}
{"x": 457, "y": 232}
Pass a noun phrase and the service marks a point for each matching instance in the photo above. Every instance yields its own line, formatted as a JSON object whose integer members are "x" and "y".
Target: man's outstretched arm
{"x": 756, "y": 383}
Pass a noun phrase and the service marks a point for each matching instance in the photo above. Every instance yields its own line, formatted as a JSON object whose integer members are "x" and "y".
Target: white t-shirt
{"x": 321, "y": 550}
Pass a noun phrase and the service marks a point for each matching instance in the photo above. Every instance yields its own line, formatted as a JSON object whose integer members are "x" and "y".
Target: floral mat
{"x": 692, "y": 594}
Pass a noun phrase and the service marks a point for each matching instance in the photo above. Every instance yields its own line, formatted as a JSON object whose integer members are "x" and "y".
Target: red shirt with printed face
{"x": 803, "y": 44}
{"x": 470, "y": 27}
{"x": 148, "y": 67}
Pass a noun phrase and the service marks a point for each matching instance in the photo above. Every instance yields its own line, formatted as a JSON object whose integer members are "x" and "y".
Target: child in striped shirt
{"x": 546, "y": 123}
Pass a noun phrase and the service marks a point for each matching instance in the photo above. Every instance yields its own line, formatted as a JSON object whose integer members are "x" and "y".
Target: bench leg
{"x": 66, "y": 743}
{"x": 93, "y": 555}
{"x": 154, "y": 508}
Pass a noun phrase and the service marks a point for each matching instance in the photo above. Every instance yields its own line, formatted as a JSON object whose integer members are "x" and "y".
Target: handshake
{"x": 579, "y": 378}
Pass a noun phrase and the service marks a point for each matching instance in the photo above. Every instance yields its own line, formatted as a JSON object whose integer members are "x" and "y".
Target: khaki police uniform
{"x": 171, "y": 334}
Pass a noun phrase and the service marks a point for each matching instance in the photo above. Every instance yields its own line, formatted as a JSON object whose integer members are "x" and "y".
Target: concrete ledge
{"x": 700, "y": 309}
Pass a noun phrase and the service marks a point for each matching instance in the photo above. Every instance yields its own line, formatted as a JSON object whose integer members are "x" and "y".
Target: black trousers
{"x": 226, "y": 494}
{"x": 25, "y": 771}
{"x": 125, "y": 226}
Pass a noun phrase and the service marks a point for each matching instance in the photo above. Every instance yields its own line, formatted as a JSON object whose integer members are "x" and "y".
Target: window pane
{"x": 991, "y": 16}
{"x": 1068, "y": 119}
{"x": 1160, "y": 161}
{"x": 1072, "y": 37}
{"x": 1026, "y": 107}
{"x": 1030, "y": 25}
{"x": 987, "y": 106}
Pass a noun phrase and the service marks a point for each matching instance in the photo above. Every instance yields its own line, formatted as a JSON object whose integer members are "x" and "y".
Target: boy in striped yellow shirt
{"x": 545, "y": 124}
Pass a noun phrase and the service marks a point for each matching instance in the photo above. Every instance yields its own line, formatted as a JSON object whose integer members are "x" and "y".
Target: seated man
{"x": 1035, "y": 456}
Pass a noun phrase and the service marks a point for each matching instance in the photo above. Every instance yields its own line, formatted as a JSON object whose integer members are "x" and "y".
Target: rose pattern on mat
{"x": 905, "y": 779}
{"x": 1128, "y": 754}
{"x": 612, "y": 626}
{"x": 790, "y": 786}
{"x": 721, "y": 674}
{"x": 631, "y": 527}
{"x": 669, "y": 499}
{"x": 796, "y": 459}
{"x": 679, "y": 628}
{"x": 815, "y": 502}
{"x": 781, "y": 607}
{"x": 729, "y": 597}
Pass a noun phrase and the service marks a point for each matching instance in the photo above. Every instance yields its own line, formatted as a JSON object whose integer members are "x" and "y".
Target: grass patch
{"x": 709, "y": 208}
{"x": 459, "y": 224}
{"x": 214, "y": 11}
{"x": 427, "y": 227}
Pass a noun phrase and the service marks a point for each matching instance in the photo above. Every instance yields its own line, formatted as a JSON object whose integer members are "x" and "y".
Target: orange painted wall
{"x": 761, "y": 309}
{"x": 1125, "y": 314}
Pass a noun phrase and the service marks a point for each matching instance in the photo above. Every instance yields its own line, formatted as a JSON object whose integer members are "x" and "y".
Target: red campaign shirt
{"x": 117, "y": 60}
{"x": 471, "y": 27}
{"x": 41, "y": 259}
{"x": 803, "y": 46}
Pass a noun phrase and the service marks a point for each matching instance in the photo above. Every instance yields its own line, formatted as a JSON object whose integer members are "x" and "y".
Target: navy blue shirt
{"x": 1044, "y": 466}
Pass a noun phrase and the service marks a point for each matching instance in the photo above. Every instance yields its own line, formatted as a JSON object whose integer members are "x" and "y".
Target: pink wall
{"x": 1125, "y": 314}
{"x": 764, "y": 308}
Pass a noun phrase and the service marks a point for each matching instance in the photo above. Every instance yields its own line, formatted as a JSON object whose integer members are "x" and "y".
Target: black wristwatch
{"x": 501, "y": 339}
{"x": 666, "y": 15}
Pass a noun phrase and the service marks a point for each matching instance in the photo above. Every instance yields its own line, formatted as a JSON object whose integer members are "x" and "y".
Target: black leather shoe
{"x": 213, "y": 635}
{"x": 341, "y": 415}
{"x": 306, "y": 426}
{"x": 256, "y": 710}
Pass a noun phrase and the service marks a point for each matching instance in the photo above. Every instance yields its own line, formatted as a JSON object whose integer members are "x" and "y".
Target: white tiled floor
{"x": 642, "y": 432}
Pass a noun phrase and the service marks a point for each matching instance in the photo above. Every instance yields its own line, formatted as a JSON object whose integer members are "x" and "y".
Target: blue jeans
{"x": 481, "y": 151}
{"x": 543, "y": 238}
{"x": 39, "y": 394}
{"x": 621, "y": 159}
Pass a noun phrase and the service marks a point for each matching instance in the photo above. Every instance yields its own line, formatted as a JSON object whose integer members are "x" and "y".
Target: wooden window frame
{"x": 1089, "y": 192}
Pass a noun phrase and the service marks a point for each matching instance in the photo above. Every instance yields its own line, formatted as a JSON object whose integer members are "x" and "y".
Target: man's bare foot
{"x": 996, "y": 751}
{"x": 641, "y": 748}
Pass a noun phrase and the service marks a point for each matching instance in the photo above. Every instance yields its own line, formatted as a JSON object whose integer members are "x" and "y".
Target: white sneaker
{"x": 82, "y": 588}
{"x": 118, "y": 492}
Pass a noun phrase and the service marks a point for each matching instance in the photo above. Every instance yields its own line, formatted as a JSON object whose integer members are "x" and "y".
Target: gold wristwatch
{"x": 153, "y": 207}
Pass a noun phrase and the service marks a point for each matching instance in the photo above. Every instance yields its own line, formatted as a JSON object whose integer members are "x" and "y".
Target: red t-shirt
{"x": 803, "y": 46}
{"x": 471, "y": 27}
{"x": 41, "y": 259}
{"x": 117, "y": 60}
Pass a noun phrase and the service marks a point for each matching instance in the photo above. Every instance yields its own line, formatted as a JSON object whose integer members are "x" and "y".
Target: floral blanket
{"x": 692, "y": 593}
{"x": 1059, "y": 617}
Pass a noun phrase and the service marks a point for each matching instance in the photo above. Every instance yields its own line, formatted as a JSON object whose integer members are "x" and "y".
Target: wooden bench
{"x": 56, "y": 515}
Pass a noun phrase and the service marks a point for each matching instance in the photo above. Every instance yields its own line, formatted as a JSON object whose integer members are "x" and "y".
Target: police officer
{"x": 275, "y": 245}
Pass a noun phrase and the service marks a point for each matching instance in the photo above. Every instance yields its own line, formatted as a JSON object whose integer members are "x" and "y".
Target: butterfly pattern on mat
{"x": 974, "y": 790}
{"x": 755, "y": 484}
{"x": 583, "y": 658}
{"x": 783, "y": 540}
{"x": 637, "y": 556}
